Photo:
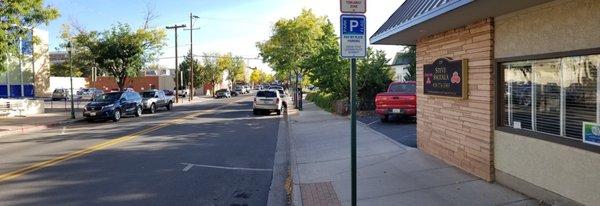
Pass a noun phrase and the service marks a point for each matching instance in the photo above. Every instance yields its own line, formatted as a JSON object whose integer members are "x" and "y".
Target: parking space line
{"x": 188, "y": 166}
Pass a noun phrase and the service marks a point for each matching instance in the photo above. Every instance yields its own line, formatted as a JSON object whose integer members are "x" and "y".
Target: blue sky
{"x": 225, "y": 25}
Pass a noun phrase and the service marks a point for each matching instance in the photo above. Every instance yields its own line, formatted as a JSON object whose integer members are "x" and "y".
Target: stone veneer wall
{"x": 459, "y": 131}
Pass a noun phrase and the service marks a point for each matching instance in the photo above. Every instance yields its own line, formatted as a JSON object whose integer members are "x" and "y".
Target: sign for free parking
{"x": 353, "y": 41}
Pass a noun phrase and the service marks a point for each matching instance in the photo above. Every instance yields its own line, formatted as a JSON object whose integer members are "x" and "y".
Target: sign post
{"x": 353, "y": 44}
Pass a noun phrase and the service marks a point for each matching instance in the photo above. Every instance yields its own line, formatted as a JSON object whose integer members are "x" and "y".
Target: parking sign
{"x": 353, "y": 41}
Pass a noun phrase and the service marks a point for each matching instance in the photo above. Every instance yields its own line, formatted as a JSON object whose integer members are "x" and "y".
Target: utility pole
{"x": 175, "y": 27}
{"x": 192, "y": 56}
{"x": 71, "y": 79}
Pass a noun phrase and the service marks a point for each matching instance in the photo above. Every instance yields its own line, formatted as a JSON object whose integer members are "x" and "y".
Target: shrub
{"x": 322, "y": 100}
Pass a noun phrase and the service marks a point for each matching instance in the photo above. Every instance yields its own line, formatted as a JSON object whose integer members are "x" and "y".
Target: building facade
{"x": 529, "y": 112}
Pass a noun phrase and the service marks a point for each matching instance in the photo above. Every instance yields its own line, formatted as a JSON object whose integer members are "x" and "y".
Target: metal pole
{"x": 33, "y": 64}
{"x": 353, "y": 129}
{"x": 21, "y": 66}
{"x": 191, "y": 60}
{"x": 176, "y": 63}
{"x": 71, "y": 79}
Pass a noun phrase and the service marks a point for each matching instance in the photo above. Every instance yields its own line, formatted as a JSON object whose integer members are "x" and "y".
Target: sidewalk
{"x": 388, "y": 173}
{"x": 55, "y": 116}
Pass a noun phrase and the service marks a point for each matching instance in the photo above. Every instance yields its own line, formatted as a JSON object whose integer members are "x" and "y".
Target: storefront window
{"x": 552, "y": 96}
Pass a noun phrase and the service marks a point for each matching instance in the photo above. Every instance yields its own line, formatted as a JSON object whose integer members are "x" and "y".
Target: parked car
{"x": 113, "y": 106}
{"x": 182, "y": 91}
{"x": 239, "y": 89}
{"x": 223, "y": 93}
{"x": 168, "y": 92}
{"x": 400, "y": 100}
{"x": 267, "y": 101}
{"x": 89, "y": 93}
{"x": 154, "y": 99}
{"x": 248, "y": 88}
{"x": 284, "y": 97}
{"x": 60, "y": 94}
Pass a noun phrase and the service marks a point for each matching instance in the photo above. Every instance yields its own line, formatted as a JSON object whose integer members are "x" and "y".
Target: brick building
{"x": 520, "y": 103}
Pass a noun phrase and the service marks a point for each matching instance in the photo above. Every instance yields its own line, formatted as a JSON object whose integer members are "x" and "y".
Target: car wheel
{"x": 89, "y": 120}
{"x": 138, "y": 111}
{"x": 385, "y": 118}
{"x": 255, "y": 111}
{"x": 153, "y": 108}
{"x": 116, "y": 116}
{"x": 170, "y": 106}
{"x": 279, "y": 112}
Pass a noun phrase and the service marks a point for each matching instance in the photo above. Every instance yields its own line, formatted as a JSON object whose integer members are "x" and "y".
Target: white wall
{"x": 65, "y": 83}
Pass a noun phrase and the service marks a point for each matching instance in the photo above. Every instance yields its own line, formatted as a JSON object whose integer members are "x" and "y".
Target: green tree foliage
{"x": 62, "y": 70}
{"x": 292, "y": 43}
{"x": 259, "y": 77}
{"x": 373, "y": 76}
{"x": 410, "y": 52}
{"x": 329, "y": 71}
{"x": 185, "y": 68}
{"x": 120, "y": 51}
{"x": 237, "y": 72}
{"x": 210, "y": 72}
{"x": 17, "y": 17}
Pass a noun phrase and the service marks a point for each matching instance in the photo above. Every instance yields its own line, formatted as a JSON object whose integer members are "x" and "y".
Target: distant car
{"x": 240, "y": 89}
{"x": 267, "y": 101}
{"x": 182, "y": 91}
{"x": 400, "y": 100}
{"x": 113, "y": 106}
{"x": 154, "y": 99}
{"x": 89, "y": 93}
{"x": 223, "y": 93}
{"x": 168, "y": 92}
{"x": 248, "y": 88}
{"x": 60, "y": 94}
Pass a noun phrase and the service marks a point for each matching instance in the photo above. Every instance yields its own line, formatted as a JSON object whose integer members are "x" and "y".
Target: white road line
{"x": 372, "y": 122}
{"x": 190, "y": 165}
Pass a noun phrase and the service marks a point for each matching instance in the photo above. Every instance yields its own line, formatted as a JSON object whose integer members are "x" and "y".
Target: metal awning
{"x": 419, "y": 18}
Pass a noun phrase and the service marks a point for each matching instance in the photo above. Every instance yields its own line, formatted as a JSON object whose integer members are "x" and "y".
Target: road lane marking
{"x": 188, "y": 166}
{"x": 48, "y": 163}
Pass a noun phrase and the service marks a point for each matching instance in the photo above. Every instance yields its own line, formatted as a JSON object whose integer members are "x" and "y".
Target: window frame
{"x": 499, "y": 99}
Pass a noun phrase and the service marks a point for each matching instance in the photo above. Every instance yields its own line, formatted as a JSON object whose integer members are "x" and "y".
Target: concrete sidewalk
{"x": 58, "y": 116}
{"x": 388, "y": 173}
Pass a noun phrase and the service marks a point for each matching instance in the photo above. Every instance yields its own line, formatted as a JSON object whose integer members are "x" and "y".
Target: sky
{"x": 225, "y": 25}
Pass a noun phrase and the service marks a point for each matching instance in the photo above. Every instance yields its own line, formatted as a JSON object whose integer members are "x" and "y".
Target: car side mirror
{"x": 155, "y": 96}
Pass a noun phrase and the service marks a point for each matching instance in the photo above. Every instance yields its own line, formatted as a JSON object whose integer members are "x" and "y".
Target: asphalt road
{"x": 212, "y": 153}
{"x": 402, "y": 131}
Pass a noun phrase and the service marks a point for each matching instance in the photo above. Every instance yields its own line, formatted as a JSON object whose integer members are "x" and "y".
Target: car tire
{"x": 385, "y": 118}
{"x": 255, "y": 111}
{"x": 279, "y": 112}
{"x": 169, "y": 106}
{"x": 116, "y": 115}
{"x": 89, "y": 120}
{"x": 138, "y": 111}
{"x": 152, "y": 108}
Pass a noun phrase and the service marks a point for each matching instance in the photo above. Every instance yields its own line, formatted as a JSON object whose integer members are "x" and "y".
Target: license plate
{"x": 397, "y": 111}
{"x": 92, "y": 114}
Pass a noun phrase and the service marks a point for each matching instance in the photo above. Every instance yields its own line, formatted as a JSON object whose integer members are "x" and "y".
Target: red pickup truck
{"x": 400, "y": 100}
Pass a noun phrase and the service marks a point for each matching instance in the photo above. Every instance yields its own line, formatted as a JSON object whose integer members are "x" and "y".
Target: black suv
{"x": 113, "y": 105}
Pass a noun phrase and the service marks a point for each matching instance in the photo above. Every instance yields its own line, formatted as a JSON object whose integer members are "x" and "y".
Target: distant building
{"x": 58, "y": 57}
{"x": 400, "y": 67}
{"x": 29, "y": 76}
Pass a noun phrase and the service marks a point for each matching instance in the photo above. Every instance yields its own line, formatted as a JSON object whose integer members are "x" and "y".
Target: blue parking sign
{"x": 353, "y": 41}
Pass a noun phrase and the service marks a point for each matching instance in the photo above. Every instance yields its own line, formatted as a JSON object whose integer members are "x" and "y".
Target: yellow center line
{"x": 101, "y": 146}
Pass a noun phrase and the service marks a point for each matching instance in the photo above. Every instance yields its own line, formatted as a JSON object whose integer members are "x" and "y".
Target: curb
{"x": 296, "y": 194}
{"x": 39, "y": 127}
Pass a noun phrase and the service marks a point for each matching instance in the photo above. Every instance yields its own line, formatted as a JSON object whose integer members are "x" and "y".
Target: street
{"x": 401, "y": 131}
{"x": 214, "y": 153}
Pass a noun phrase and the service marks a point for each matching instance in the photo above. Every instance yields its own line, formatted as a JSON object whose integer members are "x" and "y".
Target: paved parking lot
{"x": 403, "y": 131}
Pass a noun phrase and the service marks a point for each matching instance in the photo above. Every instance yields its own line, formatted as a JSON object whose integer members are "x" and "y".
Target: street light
{"x": 71, "y": 79}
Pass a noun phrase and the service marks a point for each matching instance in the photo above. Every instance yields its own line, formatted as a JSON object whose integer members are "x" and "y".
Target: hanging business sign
{"x": 353, "y": 6}
{"x": 446, "y": 77}
{"x": 353, "y": 38}
{"x": 591, "y": 133}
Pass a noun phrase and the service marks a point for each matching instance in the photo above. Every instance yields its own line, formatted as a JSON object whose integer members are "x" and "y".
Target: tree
{"x": 17, "y": 18}
{"x": 255, "y": 77}
{"x": 329, "y": 71}
{"x": 237, "y": 72}
{"x": 373, "y": 76}
{"x": 185, "y": 68}
{"x": 121, "y": 51}
{"x": 410, "y": 52}
{"x": 63, "y": 70}
{"x": 210, "y": 72}
{"x": 292, "y": 43}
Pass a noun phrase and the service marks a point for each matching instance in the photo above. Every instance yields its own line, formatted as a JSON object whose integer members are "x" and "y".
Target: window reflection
{"x": 580, "y": 83}
{"x": 547, "y": 96}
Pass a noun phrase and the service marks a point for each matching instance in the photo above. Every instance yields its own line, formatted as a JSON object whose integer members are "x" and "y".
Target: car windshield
{"x": 281, "y": 92}
{"x": 148, "y": 94}
{"x": 222, "y": 90}
{"x": 403, "y": 88}
{"x": 110, "y": 97}
{"x": 266, "y": 94}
